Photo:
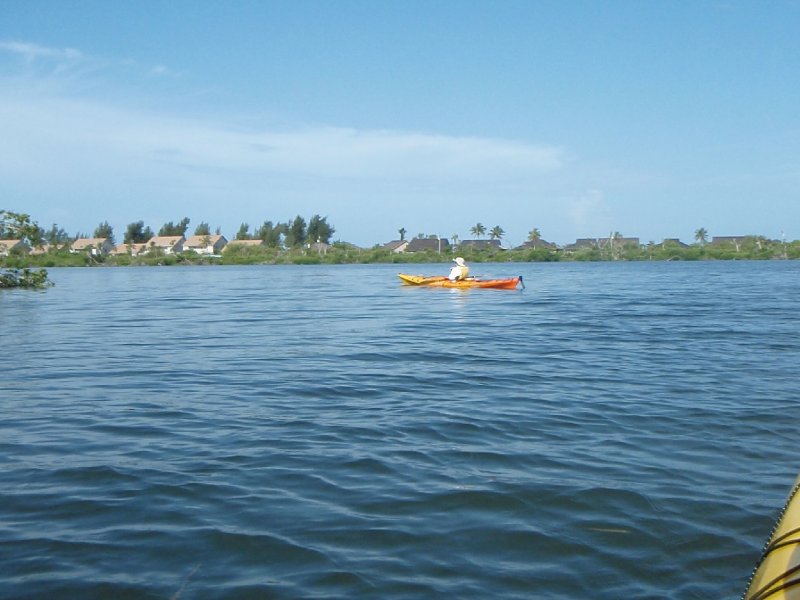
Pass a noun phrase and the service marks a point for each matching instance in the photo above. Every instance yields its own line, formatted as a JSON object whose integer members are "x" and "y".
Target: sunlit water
{"x": 612, "y": 431}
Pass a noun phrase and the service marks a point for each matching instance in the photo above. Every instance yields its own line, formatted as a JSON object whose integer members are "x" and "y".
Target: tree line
{"x": 291, "y": 243}
{"x": 19, "y": 226}
{"x": 291, "y": 234}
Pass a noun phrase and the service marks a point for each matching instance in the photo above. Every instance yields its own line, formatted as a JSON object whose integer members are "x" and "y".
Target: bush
{"x": 306, "y": 260}
{"x": 24, "y": 278}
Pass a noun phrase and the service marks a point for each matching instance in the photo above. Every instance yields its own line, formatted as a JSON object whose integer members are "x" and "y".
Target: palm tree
{"x": 402, "y": 232}
{"x": 478, "y": 230}
{"x": 496, "y": 233}
{"x": 455, "y": 239}
{"x": 534, "y": 235}
{"x": 701, "y": 236}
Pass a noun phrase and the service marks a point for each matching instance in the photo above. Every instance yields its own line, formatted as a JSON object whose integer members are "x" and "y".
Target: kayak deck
{"x": 777, "y": 575}
{"x": 510, "y": 283}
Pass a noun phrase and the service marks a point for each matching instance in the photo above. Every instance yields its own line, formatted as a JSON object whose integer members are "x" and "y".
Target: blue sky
{"x": 651, "y": 119}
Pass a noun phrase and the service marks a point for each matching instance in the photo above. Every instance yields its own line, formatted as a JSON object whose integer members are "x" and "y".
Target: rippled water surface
{"x": 613, "y": 430}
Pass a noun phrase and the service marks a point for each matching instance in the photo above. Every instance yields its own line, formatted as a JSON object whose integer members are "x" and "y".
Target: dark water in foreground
{"x": 612, "y": 431}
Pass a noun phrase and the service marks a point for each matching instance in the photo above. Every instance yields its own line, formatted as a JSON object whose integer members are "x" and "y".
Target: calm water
{"x": 613, "y": 430}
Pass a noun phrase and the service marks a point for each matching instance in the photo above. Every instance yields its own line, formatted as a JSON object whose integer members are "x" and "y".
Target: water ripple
{"x": 614, "y": 430}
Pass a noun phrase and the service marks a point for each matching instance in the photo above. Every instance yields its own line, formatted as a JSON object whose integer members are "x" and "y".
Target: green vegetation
{"x": 343, "y": 253}
{"x": 478, "y": 230}
{"x": 24, "y": 278}
{"x": 173, "y": 229}
{"x": 104, "y": 230}
{"x": 299, "y": 242}
{"x": 137, "y": 233}
{"x": 18, "y": 226}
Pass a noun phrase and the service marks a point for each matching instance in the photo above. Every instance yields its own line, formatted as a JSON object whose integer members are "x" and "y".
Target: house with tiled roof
{"x": 625, "y": 241}
{"x": 132, "y": 249}
{"x": 673, "y": 242}
{"x": 582, "y": 244}
{"x": 8, "y": 246}
{"x": 734, "y": 241}
{"x": 169, "y": 244}
{"x": 92, "y": 246}
{"x": 43, "y": 249}
{"x": 539, "y": 244}
{"x": 428, "y": 245}
{"x": 246, "y": 243}
{"x": 480, "y": 245}
{"x": 396, "y": 246}
{"x": 206, "y": 244}
{"x": 601, "y": 243}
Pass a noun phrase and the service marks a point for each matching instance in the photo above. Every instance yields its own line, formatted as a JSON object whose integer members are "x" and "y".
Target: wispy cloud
{"x": 346, "y": 152}
{"x": 55, "y": 123}
{"x": 57, "y": 66}
{"x": 70, "y": 130}
{"x": 159, "y": 71}
{"x": 57, "y": 119}
{"x": 68, "y": 133}
{"x": 30, "y": 52}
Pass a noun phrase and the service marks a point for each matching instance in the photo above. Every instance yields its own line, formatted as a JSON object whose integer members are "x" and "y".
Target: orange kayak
{"x": 471, "y": 282}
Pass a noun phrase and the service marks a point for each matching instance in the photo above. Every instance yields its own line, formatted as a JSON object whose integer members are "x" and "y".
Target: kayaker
{"x": 459, "y": 271}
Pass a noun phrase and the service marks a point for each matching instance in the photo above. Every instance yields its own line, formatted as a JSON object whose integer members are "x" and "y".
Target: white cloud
{"x": 71, "y": 139}
{"x": 30, "y": 52}
{"x": 53, "y": 131}
{"x": 341, "y": 152}
{"x": 57, "y": 134}
{"x": 72, "y": 69}
{"x": 159, "y": 71}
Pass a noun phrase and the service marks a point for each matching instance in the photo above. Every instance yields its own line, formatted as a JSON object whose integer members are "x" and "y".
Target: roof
{"x": 395, "y": 245}
{"x": 43, "y": 249}
{"x": 674, "y": 242}
{"x": 627, "y": 240}
{"x": 602, "y": 242}
{"x": 432, "y": 244}
{"x": 165, "y": 241}
{"x": 729, "y": 239}
{"x": 479, "y": 244}
{"x": 84, "y": 243}
{"x": 9, "y": 244}
{"x": 247, "y": 242}
{"x": 129, "y": 248}
{"x": 534, "y": 244}
{"x": 203, "y": 240}
{"x": 582, "y": 243}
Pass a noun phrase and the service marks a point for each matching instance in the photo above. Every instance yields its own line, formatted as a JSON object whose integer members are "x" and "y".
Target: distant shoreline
{"x": 749, "y": 249}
